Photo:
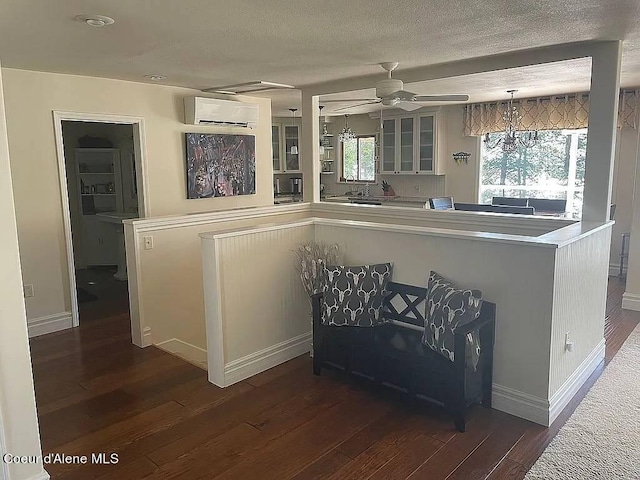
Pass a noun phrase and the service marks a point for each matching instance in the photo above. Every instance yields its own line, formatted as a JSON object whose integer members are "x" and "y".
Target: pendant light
{"x": 294, "y": 147}
{"x": 323, "y": 132}
{"x": 346, "y": 133}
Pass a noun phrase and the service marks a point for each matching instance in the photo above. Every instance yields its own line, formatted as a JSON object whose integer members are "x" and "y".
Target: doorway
{"x": 101, "y": 166}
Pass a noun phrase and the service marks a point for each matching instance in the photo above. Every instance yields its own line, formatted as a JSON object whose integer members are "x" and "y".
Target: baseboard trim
{"x": 190, "y": 353}
{"x": 631, "y": 301}
{"x": 614, "y": 270}
{"x": 42, "y": 475}
{"x": 49, "y": 324}
{"x": 540, "y": 410}
{"x": 265, "y": 359}
{"x": 570, "y": 387}
{"x": 520, "y": 404}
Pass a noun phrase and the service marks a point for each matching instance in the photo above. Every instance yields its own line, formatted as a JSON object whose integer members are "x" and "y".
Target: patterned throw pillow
{"x": 448, "y": 307}
{"x": 353, "y": 296}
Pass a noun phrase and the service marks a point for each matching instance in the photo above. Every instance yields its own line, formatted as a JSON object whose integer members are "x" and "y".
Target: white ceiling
{"x": 206, "y": 43}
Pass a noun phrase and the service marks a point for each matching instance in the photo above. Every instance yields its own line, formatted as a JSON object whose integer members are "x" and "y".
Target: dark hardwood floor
{"x": 96, "y": 392}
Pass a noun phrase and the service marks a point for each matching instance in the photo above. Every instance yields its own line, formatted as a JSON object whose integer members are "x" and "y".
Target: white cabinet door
{"x": 409, "y": 144}
{"x": 275, "y": 147}
{"x": 99, "y": 242}
{"x": 389, "y": 146}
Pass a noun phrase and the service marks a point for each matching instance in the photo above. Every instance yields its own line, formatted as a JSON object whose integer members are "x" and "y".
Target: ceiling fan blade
{"x": 441, "y": 98}
{"x": 408, "y": 106}
{"x": 347, "y": 100}
{"x": 357, "y": 105}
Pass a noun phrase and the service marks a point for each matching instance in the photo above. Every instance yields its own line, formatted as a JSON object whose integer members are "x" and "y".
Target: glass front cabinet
{"x": 409, "y": 144}
{"x": 285, "y": 146}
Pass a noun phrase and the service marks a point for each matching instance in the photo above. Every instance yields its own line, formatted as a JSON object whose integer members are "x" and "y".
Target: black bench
{"x": 393, "y": 353}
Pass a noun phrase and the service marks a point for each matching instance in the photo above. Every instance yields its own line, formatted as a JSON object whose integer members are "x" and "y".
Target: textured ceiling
{"x": 204, "y": 43}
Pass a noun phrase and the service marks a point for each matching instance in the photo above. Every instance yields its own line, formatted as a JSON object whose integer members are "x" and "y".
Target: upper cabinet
{"x": 291, "y": 146}
{"x": 275, "y": 147}
{"x": 285, "y": 145}
{"x": 409, "y": 144}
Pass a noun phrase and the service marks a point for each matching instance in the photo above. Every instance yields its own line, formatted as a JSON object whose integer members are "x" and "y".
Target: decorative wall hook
{"x": 460, "y": 157}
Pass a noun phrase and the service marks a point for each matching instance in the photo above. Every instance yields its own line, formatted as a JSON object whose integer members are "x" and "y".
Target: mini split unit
{"x": 211, "y": 111}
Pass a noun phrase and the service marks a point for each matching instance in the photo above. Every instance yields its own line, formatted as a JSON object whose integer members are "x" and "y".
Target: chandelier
{"x": 346, "y": 133}
{"x": 513, "y": 137}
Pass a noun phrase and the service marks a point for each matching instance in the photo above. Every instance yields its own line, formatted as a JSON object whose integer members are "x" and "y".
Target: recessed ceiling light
{"x": 156, "y": 78}
{"x": 95, "y": 20}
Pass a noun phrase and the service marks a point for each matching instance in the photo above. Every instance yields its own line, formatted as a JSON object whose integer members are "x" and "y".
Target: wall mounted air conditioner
{"x": 211, "y": 111}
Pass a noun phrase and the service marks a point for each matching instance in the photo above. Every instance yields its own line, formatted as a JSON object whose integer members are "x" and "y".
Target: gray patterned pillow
{"x": 353, "y": 295}
{"x": 448, "y": 307}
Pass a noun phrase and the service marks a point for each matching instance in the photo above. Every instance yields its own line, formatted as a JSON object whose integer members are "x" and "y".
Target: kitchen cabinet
{"x": 275, "y": 147}
{"x": 99, "y": 187}
{"x": 291, "y": 140}
{"x": 409, "y": 144}
{"x": 283, "y": 137}
{"x": 99, "y": 242}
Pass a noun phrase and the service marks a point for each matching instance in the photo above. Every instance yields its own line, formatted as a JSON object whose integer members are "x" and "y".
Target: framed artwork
{"x": 220, "y": 165}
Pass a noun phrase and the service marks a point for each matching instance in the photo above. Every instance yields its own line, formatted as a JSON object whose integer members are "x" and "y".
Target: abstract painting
{"x": 220, "y": 165}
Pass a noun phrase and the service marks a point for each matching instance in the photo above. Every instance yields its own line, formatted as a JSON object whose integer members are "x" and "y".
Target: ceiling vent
{"x": 249, "y": 87}
{"x": 211, "y": 111}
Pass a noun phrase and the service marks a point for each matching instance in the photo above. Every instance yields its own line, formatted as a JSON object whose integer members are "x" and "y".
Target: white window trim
{"x": 340, "y": 171}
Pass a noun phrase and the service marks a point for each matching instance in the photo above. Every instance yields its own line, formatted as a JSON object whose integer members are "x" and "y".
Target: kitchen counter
{"x": 283, "y": 198}
{"x": 398, "y": 201}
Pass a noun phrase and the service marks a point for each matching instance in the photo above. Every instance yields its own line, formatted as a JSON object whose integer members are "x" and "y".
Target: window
{"x": 358, "y": 159}
{"x": 554, "y": 168}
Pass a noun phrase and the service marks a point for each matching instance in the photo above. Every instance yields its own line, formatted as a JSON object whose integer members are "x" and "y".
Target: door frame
{"x": 4, "y": 467}
{"x": 141, "y": 179}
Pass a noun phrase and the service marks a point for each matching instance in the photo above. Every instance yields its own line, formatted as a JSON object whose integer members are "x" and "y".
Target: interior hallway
{"x": 96, "y": 392}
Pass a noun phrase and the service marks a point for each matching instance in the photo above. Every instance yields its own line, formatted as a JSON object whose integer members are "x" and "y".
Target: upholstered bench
{"x": 391, "y": 352}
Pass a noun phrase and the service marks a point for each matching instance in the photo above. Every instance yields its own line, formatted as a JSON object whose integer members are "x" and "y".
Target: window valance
{"x": 546, "y": 113}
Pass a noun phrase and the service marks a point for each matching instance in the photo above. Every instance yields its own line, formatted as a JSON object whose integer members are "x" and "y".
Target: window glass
{"x": 554, "y": 168}
{"x": 358, "y": 159}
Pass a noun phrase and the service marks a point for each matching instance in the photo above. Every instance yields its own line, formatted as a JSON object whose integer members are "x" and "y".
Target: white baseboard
{"x": 570, "y": 387}
{"x": 631, "y": 301}
{"x": 190, "y": 353}
{"x": 614, "y": 270}
{"x": 265, "y": 359}
{"x": 520, "y": 404}
{"x": 540, "y": 410}
{"x": 42, "y": 475}
{"x": 49, "y": 324}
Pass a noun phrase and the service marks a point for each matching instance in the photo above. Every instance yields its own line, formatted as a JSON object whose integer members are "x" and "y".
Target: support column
{"x": 310, "y": 143}
{"x": 601, "y": 137}
{"x": 631, "y": 297}
{"x": 19, "y": 433}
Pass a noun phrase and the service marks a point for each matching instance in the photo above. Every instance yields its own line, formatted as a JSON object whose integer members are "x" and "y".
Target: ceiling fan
{"x": 391, "y": 93}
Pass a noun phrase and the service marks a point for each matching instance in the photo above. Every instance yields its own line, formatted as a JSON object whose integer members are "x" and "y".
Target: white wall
{"x": 30, "y": 99}
{"x": 623, "y": 181}
{"x": 18, "y": 421}
{"x": 461, "y": 180}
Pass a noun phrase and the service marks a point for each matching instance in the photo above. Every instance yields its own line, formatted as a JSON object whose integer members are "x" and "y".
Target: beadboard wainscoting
{"x": 257, "y": 313}
{"x": 165, "y": 282}
{"x": 543, "y": 286}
